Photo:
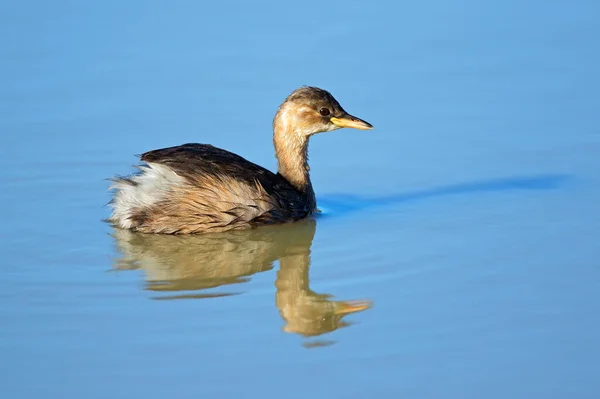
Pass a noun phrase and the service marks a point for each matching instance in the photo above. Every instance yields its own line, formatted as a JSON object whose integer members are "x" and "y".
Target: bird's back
{"x": 196, "y": 188}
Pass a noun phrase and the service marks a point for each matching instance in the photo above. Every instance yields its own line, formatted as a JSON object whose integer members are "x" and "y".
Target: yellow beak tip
{"x": 351, "y": 122}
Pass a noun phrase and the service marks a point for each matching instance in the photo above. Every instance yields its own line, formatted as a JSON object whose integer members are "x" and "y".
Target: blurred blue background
{"x": 469, "y": 216}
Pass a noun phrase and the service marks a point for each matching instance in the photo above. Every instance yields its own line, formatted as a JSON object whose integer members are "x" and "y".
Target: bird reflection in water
{"x": 195, "y": 263}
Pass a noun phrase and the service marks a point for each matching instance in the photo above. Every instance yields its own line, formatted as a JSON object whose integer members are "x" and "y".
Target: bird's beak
{"x": 350, "y": 121}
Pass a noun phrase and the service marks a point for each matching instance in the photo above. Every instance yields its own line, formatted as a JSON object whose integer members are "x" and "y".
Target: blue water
{"x": 468, "y": 220}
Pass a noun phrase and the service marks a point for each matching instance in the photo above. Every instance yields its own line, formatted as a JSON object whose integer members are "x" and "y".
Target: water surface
{"x": 457, "y": 252}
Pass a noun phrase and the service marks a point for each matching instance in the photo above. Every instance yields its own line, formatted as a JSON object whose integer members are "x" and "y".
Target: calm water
{"x": 457, "y": 253}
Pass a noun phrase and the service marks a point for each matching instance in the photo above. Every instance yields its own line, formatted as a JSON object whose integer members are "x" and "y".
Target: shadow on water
{"x": 338, "y": 204}
{"x": 186, "y": 266}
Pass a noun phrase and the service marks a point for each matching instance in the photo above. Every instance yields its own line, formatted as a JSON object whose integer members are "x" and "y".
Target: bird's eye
{"x": 324, "y": 111}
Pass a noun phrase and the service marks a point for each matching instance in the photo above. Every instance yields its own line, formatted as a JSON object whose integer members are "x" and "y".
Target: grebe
{"x": 197, "y": 188}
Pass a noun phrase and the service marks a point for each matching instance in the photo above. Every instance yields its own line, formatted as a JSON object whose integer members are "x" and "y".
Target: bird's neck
{"x": 291, "y": 150}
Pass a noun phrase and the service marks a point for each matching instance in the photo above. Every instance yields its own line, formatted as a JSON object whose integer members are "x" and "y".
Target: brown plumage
{"x": 195, "y": 188}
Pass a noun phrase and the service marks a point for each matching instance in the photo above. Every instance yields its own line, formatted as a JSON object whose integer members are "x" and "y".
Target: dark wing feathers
{"x": 192, "y": 161}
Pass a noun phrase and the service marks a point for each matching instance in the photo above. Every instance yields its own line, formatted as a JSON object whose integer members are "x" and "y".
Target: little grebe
{"x": 196, "y": 188}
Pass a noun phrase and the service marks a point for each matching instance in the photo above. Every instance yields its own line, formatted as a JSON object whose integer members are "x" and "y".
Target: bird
{"x": 198, "y": 188}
